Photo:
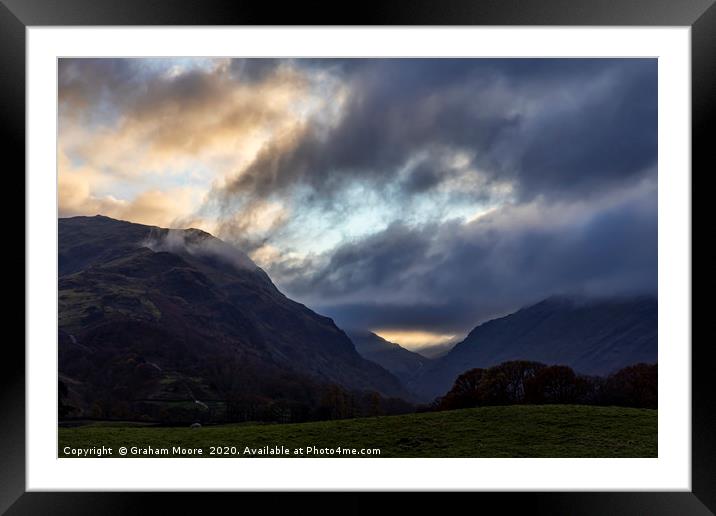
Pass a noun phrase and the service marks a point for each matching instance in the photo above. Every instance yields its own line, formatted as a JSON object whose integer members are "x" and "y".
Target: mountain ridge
{"x": 592, "y": 335}
{"x": 183, "y": 300}
{"x": 402, "y": 362}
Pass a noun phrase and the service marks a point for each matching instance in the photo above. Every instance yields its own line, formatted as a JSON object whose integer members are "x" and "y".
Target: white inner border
{"x": 670, "y": 471}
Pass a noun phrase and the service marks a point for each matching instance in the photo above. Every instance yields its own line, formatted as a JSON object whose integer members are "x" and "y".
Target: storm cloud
{"x": 407, "y": 194}
{"x": 554, "y": 127}
{"x": 448, "y": 277}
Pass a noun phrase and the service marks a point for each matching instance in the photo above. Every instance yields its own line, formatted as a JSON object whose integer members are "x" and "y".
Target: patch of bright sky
{"x": 415, "y": 339}
{"x": 363, "y": 209}
{"x": 174, "y": 66}
{"x": 327, "y": 101}
{"x": 75, "y": 160}
{"x": 196, "y": 176}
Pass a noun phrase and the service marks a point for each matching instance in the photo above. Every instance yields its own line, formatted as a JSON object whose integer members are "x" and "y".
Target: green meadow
{"x": 509, "y": 431}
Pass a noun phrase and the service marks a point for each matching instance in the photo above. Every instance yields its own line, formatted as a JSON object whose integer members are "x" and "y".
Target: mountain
{"x": 152, "y": 314}
{"x": 437, "y": 350}
{"x": 593, "y": 337}
{"x": 401, "y": 362}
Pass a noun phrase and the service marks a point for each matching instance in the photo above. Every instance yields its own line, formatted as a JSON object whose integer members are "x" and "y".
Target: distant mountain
{"x": 150, "y": 313}
{"x": 436, "y": 350}
{"x": 591, "y": 336}
{"x": 401, "y": 362}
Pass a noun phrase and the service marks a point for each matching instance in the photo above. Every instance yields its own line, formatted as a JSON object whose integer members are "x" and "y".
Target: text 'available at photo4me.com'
{"x": 217, "y": 451}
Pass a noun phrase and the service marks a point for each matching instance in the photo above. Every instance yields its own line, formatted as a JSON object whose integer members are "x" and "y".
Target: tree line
{"x": 127, "y": 386}
{"x": 229, "y": 389}
{"x": 527, "y": 382}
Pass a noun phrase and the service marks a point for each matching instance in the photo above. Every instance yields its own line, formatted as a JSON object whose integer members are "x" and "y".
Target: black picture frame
{"x": 16, "y": 15}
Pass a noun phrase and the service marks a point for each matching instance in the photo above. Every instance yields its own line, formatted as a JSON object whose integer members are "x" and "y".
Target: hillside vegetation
{"x": 177, "y": 326}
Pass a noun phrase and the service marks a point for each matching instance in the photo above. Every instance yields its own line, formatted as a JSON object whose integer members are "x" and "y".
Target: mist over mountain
{"x": 149, "y": 313}
{"x": 593, "y": 336}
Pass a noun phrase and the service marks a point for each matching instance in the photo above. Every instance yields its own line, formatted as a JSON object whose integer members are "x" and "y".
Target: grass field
{"x": 513, "y": 431}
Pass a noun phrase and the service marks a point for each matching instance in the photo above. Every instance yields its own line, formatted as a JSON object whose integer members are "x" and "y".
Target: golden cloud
{"x": 202, "y": 122}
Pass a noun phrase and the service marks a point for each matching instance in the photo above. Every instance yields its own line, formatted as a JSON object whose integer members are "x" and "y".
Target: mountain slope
{"x": 401, "y": 362}
{"x": 591, "y": 336}
{"x": 150, "y": 313}
{"x": 436, "y": 350}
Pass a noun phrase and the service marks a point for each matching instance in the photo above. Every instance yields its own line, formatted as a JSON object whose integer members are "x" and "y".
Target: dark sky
{"x": 414, "y": 197}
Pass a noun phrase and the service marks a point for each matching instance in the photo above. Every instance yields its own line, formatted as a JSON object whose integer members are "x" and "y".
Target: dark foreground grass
{"x": 513, "y": 431}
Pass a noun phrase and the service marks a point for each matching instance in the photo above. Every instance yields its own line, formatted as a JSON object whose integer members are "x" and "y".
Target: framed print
{"x": 427, "y": 249}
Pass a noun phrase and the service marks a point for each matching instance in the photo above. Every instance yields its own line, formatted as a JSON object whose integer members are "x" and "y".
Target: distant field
{"x": 513, "y": 431}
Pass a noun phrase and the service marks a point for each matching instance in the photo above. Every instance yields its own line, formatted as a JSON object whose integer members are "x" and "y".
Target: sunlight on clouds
{"x": 265, "y": 254}
{"x": 191, "y": 118}
{"x": 351, "y": 180}
{"x": 253, "y": 223}
{"x": 153, "y": 207}
{"x": 162, "y": 133}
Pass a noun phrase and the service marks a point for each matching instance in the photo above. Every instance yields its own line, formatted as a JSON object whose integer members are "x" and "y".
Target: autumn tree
{"x": 633, "y": 386}
{"x": 552, "y": 384}
{"x": 464, "y": 393}
{"x": 504, "y": 384}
